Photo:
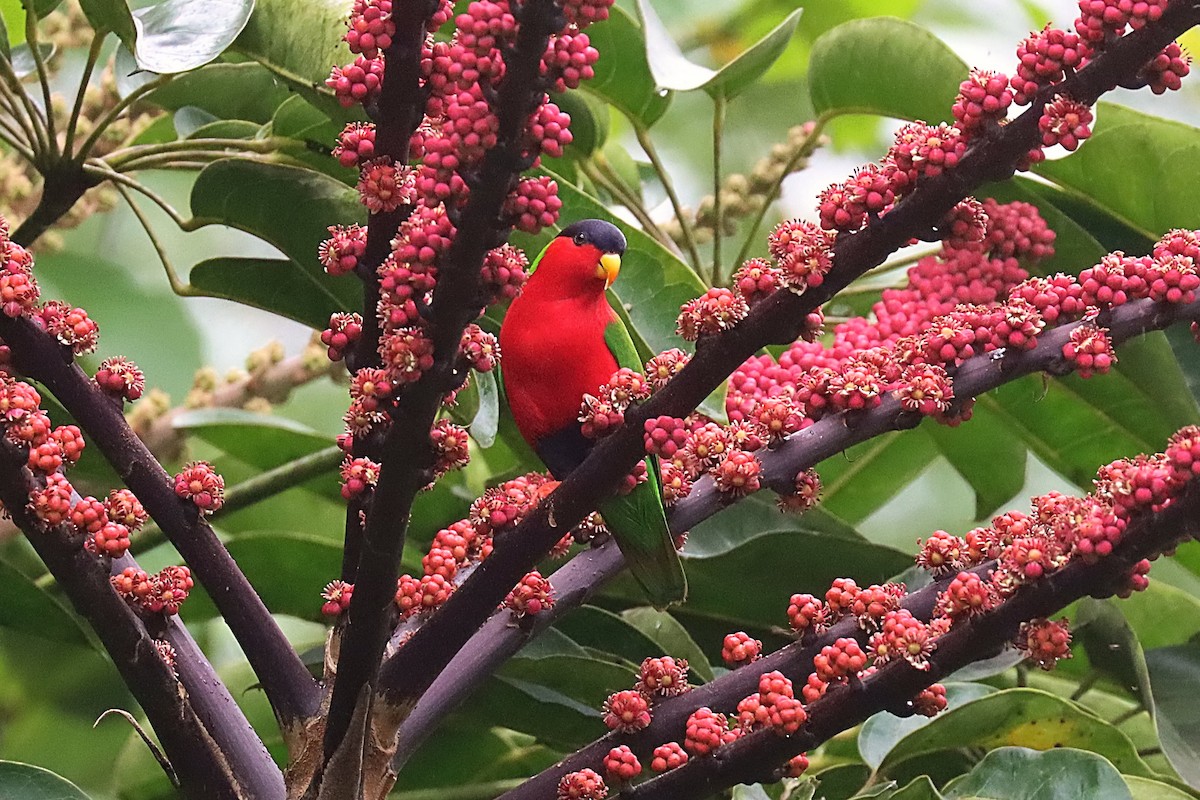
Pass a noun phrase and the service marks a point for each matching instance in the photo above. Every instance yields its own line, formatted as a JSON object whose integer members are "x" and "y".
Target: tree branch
{"x": 289, "y": 687}
{"x": 777, "y": 319}
{"x": 406, "y": 456}
{"x": 197, "y": 759}
{"x": 759, "y": 755}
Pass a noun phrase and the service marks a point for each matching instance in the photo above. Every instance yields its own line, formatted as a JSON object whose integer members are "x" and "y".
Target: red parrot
{"x": 560, "y": 340}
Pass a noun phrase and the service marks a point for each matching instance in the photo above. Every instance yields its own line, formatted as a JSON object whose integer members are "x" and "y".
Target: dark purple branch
{"x": 759, "y": 756}
{"x": 406, "y": 456}
{"x": 197, "y": 759}
{"x": 777, "y": 319}
{"x": 289, "y": 687}
{"x": 498, "y": 640}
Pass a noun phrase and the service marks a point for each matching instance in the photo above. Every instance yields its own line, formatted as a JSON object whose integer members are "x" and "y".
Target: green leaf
{"x": 486, "y": 423}
{"x": 180, "y": 35}
{"x": 110, "y": 16}
{"x": 622, "y": 74}
{"x": 863, "y": 478}
{"x": 885, "y": 730}
{"x": 299, "y": 40}
{"x": 22, "y": 58}
{"x": 1016, "y": 773}
{"x": 672, "y": 637}
{"x": 1146, "y": 789}
{"x": 590, "y": 122}
{"x": 1112, "y": 647}
{"x": 296, "y": 118}
{"x": 732, "y": 527}
{"x": 1174, "y": 676}
{"x": 27, "y": 782}
{"x": 278, "y": 285}
{"x": 261, "y": 440}
{"x": 309, "y": 562}
{"x": 848, "y": 63}
{"x": 986, "y": 454}
{"x": 5, "y": 45}
{"x": 246, "y": 91}
{"x": 673, "y": 71}
{"x": 224, "y": 129}
{"x": 33, "y": 611}
{"x": 1129, "y": 169}
{"x": 1022, "y": 717}
{"x": 594, "y": 627}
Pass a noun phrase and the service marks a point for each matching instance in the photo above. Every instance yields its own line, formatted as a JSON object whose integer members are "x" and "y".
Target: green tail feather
{"x": 639, "y": 525}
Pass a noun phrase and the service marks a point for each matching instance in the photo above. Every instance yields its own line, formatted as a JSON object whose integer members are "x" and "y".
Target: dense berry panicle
{"x": 1137, "y": 580}
{"x": 941, "y": 554}
{"x": 370, "y": 27}
{"x": 1065, "y": 122}
{"x": 1090, "y": 350}
{"x": 663, "y": 677}
{"x": 1168, "y": 69}
{"x": 806, "y": 613}
{"x": 531, "y": 596}
{"x": 1097, "y": 531}
{"x": 966, "y": 226}
{"x": 930, "y": 701}
{"x": 406, "y": 354}
{"x": 901, "y": 635}
{"x": 806, "y": 496}
{"x": 70, "y": 443}
{"x": 873, "y": 602}
{"x": 738, "y": 474}
{"x": 740, "y": 648}
{"x": 504, "y": 271}
{"x": 75, "y": 329}
{"x": 668, "y": 756}
{"x": 621, "y": 765}
{"x": 717, "y": 310}
{"x": 582, "y": 13}
{"x": 922, "y": 149}
{"x": 343, "y": 331}
{"x": 983, "y": 99}
{"x": 966, "y": 596}
{"x": 665, "y": 436}
{"x": 120, "y": 377}
{"x": 814, "y": 688}
{"x": 1173, "y": 279}
{"x": 357, "y": 82}
{"x": 705, "y": 731}
{"x": 840, "y": 660}
{"x": 336, "y": 596}
{"x": 1183, "y": 453}
{"x": 88, "y": 515}
{"x": 926, "y": 389}
{"x": 569, "y": 60}
{"x": 676, "y": 482}
{"x": 756, "y": 280}
{"x": 111, "y": 540}
{"x": 585, "y": 784}
{"x": 627, "y": 711}
{"x": 840, "y": 596}
{"x": 52, "y": 503}
{"x": 534, "y": 204}
{"x": 359, "y": 476}
{"x": 201, "y": 484}
{"x": 340, "y": 253}
{"x": 796, "y": 766}
{"x": 450, "y": 444}
{"x": 1045, "y": 642}
{"x": 665, "y": 366}
{"x": 356, "y": 144}
{"x": 599, "y": 416}
{"x": 18, "y": 294}
{"x": 1044, "y": 58}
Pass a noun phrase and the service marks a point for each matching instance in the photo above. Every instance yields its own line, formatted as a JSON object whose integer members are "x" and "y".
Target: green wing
{"x": 638, "y": 520}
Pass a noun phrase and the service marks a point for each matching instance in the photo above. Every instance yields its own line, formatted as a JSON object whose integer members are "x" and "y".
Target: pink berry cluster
{"x": 161, "y": 593}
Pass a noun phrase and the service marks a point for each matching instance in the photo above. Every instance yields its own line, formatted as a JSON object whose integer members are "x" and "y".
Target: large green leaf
{"x": 986, "y": 454}
{"x": 180, "y": 35}
{"x": 885, "y": 730}
{"x": 248, "y": 196}
{"x": 672, "y": 637}
{"x": 111, "y": 16}
{"x": 1129, "y": 169}
{"x": 848, "y": 66}
{"x": 299, "y": 40}
{"x": 864, "y": 477}
{"x": 31, "y": 610}
{"x": 622, "y": 74}
{"x": 1112, "y": 647}
{"x": 308, "y": 562}
{"x": 273, "y": 284}
{"x": 599, "y": 629}
{"x": 1146, "y": 789}
{"x": 673, "y": 71}
{"x": 27, "y": 782}
{"x": 732, "y": 527}
{"x": 1024, "y": 718}
{"x": 261, "y": 440}
{"x": 246, "y": 91}
{"x": 1016, "y": 773}
{"x": 1174, "y": 677}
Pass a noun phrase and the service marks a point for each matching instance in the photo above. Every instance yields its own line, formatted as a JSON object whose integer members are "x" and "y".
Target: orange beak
{"x": 608, "y": 268}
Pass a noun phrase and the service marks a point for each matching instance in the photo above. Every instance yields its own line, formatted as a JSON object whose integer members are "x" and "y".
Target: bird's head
{"x": 584, "y": 258}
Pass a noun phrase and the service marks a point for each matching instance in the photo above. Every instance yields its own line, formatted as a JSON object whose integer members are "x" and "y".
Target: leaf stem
{"x": 115, "y": 111}
{"x": 178, "y": 286}
{"x": 30, "y": 119}
{"x": 602, "y": 176}
{"x": 718, "y": 133}
{"x": 664, "y": 177}
{"x": 31, "y": 37}
{"x": 73, "y": 123}
{"x": 100, "y": 168}
{"x": 1126, "y": 715}
{"x": 121, "y": 159}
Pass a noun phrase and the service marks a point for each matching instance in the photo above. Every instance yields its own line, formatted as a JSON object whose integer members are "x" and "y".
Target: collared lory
{"x": 560, "y": 340}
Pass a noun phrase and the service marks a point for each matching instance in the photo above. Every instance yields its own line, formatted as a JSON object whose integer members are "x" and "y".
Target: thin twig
{"x": 664, "y": 177}
{"x": 73, "y": 123}
{"x": 31, "y": 38}
{"x": 178, "y": 285}
{"x": 102, "y": 124}
{"x": 718, "y": 134}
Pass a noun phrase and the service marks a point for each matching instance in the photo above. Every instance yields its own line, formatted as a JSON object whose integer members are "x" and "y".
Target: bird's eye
{"x": 581, "y": 238}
